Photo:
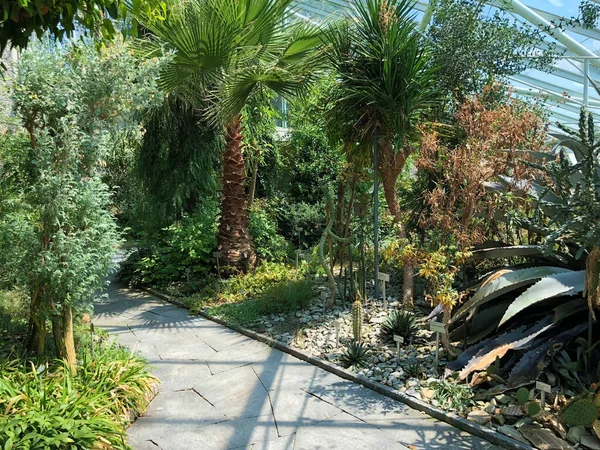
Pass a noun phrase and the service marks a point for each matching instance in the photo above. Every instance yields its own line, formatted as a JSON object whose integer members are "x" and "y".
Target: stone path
{"x": 223, "y": 390}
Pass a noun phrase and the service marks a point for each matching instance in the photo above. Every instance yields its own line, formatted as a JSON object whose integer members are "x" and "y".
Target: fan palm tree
{"x": 386, "y": 83}
{"x": 220, "y": 52}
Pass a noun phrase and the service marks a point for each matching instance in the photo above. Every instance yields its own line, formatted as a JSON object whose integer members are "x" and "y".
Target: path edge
{"x": 453, "y": 419}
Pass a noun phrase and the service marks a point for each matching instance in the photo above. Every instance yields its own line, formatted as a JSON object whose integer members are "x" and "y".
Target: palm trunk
{"x": 390, "y": 166}
{"x": 235, "y": 244}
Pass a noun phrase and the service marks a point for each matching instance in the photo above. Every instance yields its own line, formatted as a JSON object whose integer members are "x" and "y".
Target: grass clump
{"x": 283, "y": 297}
{"x": 400, "y": 323}
{"x": 47, "y": 406}
{"x": 452, "y": 396}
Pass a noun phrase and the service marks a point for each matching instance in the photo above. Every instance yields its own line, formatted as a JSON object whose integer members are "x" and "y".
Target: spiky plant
{"x": 355, "y": 354}
{"x": 400, "y": 323}
{"x": 414, "y": 369}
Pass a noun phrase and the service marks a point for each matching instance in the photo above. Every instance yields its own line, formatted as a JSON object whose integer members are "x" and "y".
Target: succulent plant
{"x": 414, "y": 369}
{"x": 522, "y": 396}
{"x": 357, "y": 319}
{"x": 581, "y": 411}
{"x": 400, "y": 323}
{"x": 356, "y": 354}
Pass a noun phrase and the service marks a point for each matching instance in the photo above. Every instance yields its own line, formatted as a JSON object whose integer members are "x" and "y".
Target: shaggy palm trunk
{"x": 235, "y": 244}
{"x": 390, "y": 166}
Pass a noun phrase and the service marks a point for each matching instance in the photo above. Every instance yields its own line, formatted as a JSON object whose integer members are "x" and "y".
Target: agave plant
{"x": 356, "y": 354}
{"x": 525, "y": 314}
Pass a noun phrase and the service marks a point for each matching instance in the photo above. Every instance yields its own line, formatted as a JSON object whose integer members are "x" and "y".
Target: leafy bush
{"x": 269, "y": 245}
{"x": 355, "y": 354}
{"x": 279, "y": 298}
{"x": 13, "y": 319}
{"x": 401, "y": 323}
{"x": 49, "y": 407}
{"x": 171, "y": 253}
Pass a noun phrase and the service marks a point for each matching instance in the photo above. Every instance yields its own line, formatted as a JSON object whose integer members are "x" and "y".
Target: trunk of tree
{"x": 235, "y": 244}
{"x": 62, "y": 331}
{"x": 36, "y": 331}
{"x": 390, "y": 166}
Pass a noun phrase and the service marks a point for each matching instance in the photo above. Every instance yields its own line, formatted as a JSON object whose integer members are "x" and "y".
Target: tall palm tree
{"x": 221, "y": 51}
{"x": 386, "y": 83}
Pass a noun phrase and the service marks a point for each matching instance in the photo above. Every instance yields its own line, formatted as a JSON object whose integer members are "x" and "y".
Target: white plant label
{"x": 216, "y": 254}
{"x": 398, "y": 339}
{"x": 384, "y": 277}
{"x": 543, "y": 387}
{"x": 437, "y": 327}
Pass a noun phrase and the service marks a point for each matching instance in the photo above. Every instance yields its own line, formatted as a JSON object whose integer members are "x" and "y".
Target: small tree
{"x": 73, "y": 103}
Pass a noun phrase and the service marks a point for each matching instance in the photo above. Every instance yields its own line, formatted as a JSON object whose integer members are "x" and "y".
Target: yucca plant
{"x": 524, "y": 311}
{"x": 400, "y": 323}
{"x": 355, "y": 354}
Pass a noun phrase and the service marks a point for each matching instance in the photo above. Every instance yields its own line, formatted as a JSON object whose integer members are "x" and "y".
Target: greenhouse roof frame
{"x": 566, "y": 87}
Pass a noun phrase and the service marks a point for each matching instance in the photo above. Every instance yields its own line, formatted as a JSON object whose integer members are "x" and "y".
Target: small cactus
{"x": 522, "y": 396}
{"x": 533, "y": 409}
{"x": 357, "y": 319}
{"x": 579, "y": 412}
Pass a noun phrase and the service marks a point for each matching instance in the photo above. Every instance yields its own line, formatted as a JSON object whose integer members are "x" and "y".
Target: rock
{"x": 427, "y": 394}
{"x": 590, "y": 441}
{"x": 479, "y": 416}
{"x": 543, "y": 439}
{"x": 503, "y": 399}
{"x": 490, "y": 409}
{"x": 413, "y": 393}
{"x": 575, "y": 434}
{"x": 499, "y": 419}
{"x": 509, "y": 431}
{"x": 377, "y": 320}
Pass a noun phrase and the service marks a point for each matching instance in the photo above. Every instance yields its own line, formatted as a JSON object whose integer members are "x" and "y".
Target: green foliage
{"x": 355, "y": 354}
{"x": 385, "y": 76}
{"x": 401, "y": 323}
{"x": 474, "y": 47}
{"x": 581, "y": 411}
{"x": 176, "y": 164}
{"x": 283, "y": 297}
{"x": 48, "y": 407}
{"x": 14, "y": 310}
{"x": 72, "y": 101}
{"x": 451, "y": 395}
{"x": 268, "y": 243}
{"x": 241, "y": 287}
{"x": 175, "y": 252}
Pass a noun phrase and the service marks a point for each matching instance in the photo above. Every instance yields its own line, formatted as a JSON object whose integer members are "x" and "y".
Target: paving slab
{"x": 221, "y": 390}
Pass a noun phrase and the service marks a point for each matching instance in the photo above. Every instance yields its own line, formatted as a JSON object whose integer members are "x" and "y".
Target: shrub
{"x": 452, "y": 396}
{"x": 401, "y": 323}
{"x": 49, "y": 407}
{"x": 269, "y": 245}
{"x": 168, "y": 255}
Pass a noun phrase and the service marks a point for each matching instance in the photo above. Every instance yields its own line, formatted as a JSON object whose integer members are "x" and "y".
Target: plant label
{"x": 216, "y": 254}
{"x": 385, "y": 277}
{"x": 399, "y": 340}
{"x": 300, "y": 229}
{"x": 437, "y": 327}
{"x": 543, "y": 387}
{"x": 337, "y": 325}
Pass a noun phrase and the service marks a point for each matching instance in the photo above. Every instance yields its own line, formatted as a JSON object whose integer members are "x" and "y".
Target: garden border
{"x": 453, "y": 419}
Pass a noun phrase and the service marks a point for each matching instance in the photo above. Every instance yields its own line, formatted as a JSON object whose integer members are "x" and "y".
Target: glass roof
{"x": 564, "y": 86}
